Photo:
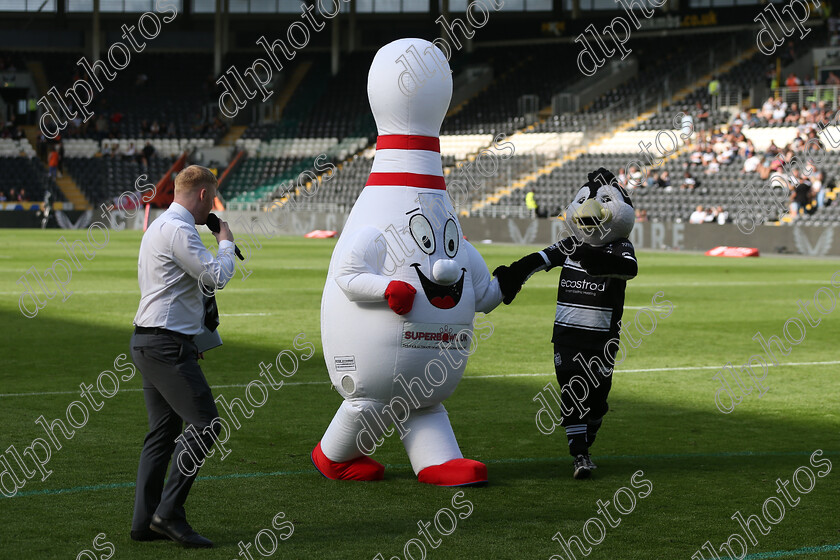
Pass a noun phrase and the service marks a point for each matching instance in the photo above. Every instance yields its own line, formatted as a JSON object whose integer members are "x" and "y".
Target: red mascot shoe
{"x": 362, "y": 468}
{"x": 457, "y": 472}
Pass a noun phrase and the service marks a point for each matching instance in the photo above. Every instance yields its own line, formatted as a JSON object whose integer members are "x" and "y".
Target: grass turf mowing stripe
{"x": 646, "y": 370}
{"x": 719, "y": 455}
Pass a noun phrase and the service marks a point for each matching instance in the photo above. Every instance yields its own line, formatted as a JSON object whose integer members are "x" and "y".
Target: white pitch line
{"x": 730, "y": 283}
{"x": 620, "y": 371}
{"x": 681, "y": 368}
{"x": 133, "y": 390}
{"x": 245, "y": 314}
{"x": 634, "y": 284}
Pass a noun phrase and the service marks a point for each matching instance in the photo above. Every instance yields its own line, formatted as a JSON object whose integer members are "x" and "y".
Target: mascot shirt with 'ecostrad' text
{"x": 589, "y": 308}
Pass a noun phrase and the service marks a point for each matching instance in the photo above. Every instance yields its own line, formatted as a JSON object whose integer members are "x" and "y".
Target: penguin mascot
{"x": 402, "y": 290}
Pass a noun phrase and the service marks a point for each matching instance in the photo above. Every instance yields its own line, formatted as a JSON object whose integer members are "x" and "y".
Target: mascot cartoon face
{"x": 601, "y": 211}
{"x": 437, "y": 234}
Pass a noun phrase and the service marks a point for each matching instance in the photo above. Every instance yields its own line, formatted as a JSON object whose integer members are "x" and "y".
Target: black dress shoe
{"x": 180, "y": 532}
{"x": 147, "y": 535}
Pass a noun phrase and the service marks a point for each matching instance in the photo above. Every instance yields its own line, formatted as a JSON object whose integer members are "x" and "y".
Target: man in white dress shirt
{"x": 171, "y": 312}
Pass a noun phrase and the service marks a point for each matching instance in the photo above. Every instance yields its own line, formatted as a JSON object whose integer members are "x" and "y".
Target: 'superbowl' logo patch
{"x": 435, "y": 335}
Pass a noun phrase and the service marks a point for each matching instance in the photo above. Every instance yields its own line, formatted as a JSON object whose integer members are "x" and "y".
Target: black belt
{"x": 159, "y": 330}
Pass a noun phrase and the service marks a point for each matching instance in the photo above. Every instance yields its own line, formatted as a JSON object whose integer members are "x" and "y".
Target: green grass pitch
{"x": 703, "y": 465}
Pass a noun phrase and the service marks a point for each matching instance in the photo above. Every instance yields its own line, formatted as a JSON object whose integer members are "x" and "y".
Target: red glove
{"x": 400, "y": 296}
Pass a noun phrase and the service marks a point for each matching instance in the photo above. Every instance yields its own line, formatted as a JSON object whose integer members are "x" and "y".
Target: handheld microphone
{"x": 214, "y": 225}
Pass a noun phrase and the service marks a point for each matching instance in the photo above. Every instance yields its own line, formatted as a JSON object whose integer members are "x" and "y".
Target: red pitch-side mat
{"x": 724, "y": 251}
{"x": 320, "y": 234}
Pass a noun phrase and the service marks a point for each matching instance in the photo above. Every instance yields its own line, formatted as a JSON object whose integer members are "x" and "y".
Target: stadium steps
{"x": 719, "y": 71}
{"x": 72, "y": 192}
{"x": 285, "y": 95}
{"x": 496, "y": 79}
{"x": 526, "y": 179}
{"x": 234, "y": 134}
{"x": 531, "y": 177}
{"x": 39, "y": 76}
{"x": 32, "y": 133}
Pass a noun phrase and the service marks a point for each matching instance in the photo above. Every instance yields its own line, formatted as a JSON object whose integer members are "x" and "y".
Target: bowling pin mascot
{"x": 402, "y": 290}
{"x": 597, "y": 259}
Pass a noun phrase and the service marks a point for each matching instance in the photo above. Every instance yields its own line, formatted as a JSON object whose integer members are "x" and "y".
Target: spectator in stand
{"x": 799, "y": 199}
{"x": 53, "y": 163}
{"x": 696, "y": 156}
{"x": 115, "y": 149}
{"x": 722, "y": 216}
{"x": 22, "y": 197}
{"x": 793, "y": 82}
{"x": 711, "y": 215}
{"x": 641, "y": 215}
{"x": 714, "y": 89}
{"x": 832, "y": 80}
{"x": 2, "y": 196}
{"x": 130, "y": 152}
{"x": 12, "y": 195}
{"x": 688, "y": 182}
{"x": 101, "y": 127}
{"x": 751, "y": 164}
{"x": 698, "y": 216}
{"x": 664, "y": 181}
{"x": 779, "y": 113}
{"x": 622, "y": 178}
{"x": 748, "y": 149}
{"x": 768, "y": 108}
{"x": 687, "y": 125}
{"x": 171, "y": 131}
{"x": 116, "y": 119}
{"x": 147, "y": 154}
{"x": 772, "y": 150}
{"x": 155, "y": 128}
{"x": 635, "y": 178}
{"x": 792, "y": 115}
{"x": 817, "y": 190}
{"x": 652, "y": 180}
{"x": 701, "y": 116}
{"x": 710, "y": 161}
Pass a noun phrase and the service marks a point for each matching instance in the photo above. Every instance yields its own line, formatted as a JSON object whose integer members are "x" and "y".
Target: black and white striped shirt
{"x": 589, "y": 308}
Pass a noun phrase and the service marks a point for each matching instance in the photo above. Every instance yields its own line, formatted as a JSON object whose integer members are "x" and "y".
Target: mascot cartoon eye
{"x": 421, "y": 231}
{"x": 582, "y": 199}
{"x": 606, "y": 198}
{"x": 450, "y": 238}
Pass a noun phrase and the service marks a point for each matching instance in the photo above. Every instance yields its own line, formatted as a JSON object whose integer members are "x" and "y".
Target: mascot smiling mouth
{"x": 442, "y": 297}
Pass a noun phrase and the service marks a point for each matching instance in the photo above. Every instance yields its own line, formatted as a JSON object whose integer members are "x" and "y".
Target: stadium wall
{"x": 800, "y": 240}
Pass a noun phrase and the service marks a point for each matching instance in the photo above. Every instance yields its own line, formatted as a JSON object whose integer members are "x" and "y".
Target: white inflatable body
{"x": 402, "y": 228}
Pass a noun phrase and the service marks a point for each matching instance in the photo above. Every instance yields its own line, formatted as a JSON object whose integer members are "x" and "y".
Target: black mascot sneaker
{"x": 582, "y": 467}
